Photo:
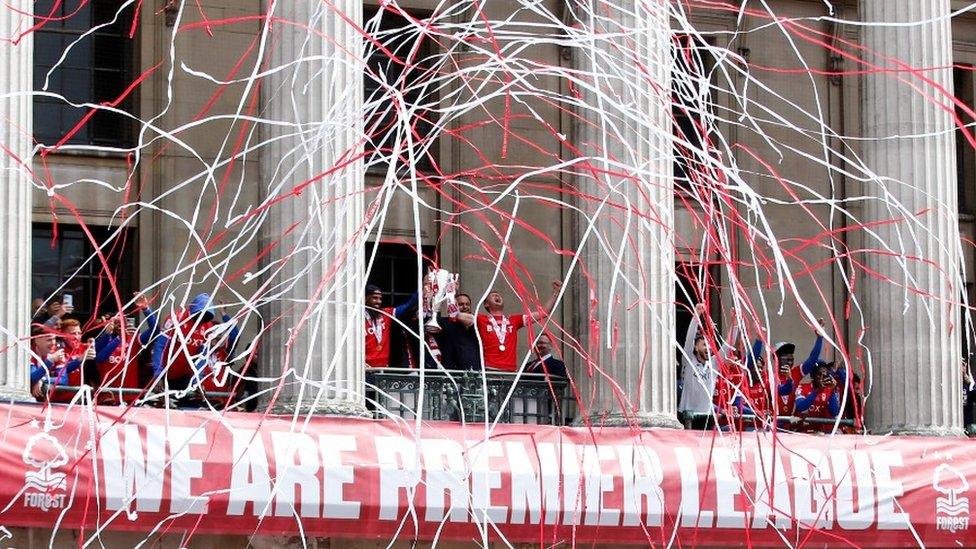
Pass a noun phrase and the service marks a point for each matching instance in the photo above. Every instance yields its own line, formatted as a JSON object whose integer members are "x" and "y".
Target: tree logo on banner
{"x": 45, "y": 454}
{"x": 951, "y": 508}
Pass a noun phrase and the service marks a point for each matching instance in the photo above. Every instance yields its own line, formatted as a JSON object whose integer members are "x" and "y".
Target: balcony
{"x": 461, "y": 396}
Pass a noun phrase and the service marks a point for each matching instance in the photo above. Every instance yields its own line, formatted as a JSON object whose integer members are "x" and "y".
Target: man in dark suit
{"x": 545, "y": 363}
{"x": 459, "y": 343}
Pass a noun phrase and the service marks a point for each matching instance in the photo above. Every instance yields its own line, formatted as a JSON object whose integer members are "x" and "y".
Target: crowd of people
{"x": 126, "y": 355}
{"x": 733, "y": 387}
{"x": 190, "y": 353}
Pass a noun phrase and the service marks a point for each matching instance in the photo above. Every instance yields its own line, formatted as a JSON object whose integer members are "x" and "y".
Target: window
{"x": 965, "y": 153}
{"x": 395, "y": 270}
{"x": 689, "y": 98}
{"x": 96, "y": 68}
{"x": 66, "y": 258}
{"x": 411, "y": 76}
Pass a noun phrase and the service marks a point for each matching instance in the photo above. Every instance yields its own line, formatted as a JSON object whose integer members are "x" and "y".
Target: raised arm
{"x": 811, "y": 360}
{"x": 786, "y": 387}
{"x": 467, "y": 319}
{"x": 105, "y": 347}
{"x": 733, "y": 341}
{"x": 152, "y": 326}
{"x": 159, "y": 348}
{"x": 235, "y": 334}
{"x": 833, "y": 404}
{"x": 38, "y": 372}
{"x": 402, "y": 309}
{"x": 690, "y": 335}
{"x": 538, "y": 316}
{"x": 804, "y": 402}
{"x": 757, "y": 351}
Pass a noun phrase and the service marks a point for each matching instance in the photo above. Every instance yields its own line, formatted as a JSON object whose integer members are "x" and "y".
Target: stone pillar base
{"x": 308, "y": 406}
{"x": 643, "y": 420}
{"x": 915, "y": 431}
{"x": 10, "y": 394}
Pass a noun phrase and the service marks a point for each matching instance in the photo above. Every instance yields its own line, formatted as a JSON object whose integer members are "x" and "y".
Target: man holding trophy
{"x": 440, "y": 288}
{"x": 460, "y": 348}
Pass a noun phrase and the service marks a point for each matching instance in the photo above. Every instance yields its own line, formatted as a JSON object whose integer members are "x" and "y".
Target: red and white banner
{"x": 147, "y": 469}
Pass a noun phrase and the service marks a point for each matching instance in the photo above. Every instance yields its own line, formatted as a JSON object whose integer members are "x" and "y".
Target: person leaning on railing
{"x": 48, "y": 370}
{"x": 789, "y": 375}
{"x": 190, "y": 343}
{"x": 818, "y": 399}
{"x": 118, "y": 364}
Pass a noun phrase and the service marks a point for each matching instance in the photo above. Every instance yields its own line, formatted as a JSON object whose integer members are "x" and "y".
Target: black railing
{"x": 157, "y": 398}
{"x": 467, "y": 396}
{"x": 783, "y": 423}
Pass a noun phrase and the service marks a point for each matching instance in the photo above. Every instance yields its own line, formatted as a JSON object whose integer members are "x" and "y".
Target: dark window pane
{"x": 58, "y": 267}
{"x": 77, "y": 86}
{"x": 77, "y": 52}
{"x": 103, "y": 12}
{"x": 110, "y": 128}
{"x": 45, "y": 259}
{"x": 70, "y": 116}
{"x": 77, "y": 14}
{"x": 43, "y": 79}
{"x": 399, "y": 37}
{"x": 45, "y": 8}
{"x": 107, "y": 86}
{"x": 47, "y": 121}
{"x": 44, "y": 286}
{"x": 72, "y": 253}
{"x": 47, "y": 48}
{"x": 96, "y": 68}
{"x": 107, "y": 51}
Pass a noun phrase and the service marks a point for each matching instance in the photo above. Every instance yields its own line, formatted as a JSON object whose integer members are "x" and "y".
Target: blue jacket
{"x": 106, "y": 344}
{"x": 202, "y": 304}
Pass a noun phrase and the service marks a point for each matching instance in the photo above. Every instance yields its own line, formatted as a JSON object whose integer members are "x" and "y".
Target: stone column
{"x": 911, "y": 306}
{"x": 16, "y": 135}
{"x": 313, "y": 183}
{"x": 628, "y": 251}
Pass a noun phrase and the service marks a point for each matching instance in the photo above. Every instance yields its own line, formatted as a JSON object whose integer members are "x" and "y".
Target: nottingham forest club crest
{"x": 44, "y": 485}
{"x": 952, "y": 507}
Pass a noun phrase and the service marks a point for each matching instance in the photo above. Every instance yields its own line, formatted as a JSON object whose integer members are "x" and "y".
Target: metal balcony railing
{"x": 467, "y": 396}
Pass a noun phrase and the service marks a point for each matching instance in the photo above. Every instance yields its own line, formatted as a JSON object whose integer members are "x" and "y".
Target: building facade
{"x": 178, "y": 173}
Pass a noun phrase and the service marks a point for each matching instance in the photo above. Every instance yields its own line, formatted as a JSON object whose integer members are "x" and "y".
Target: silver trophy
{"x": 440, "y": 288}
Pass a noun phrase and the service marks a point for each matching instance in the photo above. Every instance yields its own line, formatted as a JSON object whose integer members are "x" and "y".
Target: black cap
{"x": 373, "y": 289}
{"x": 784, "y": 348}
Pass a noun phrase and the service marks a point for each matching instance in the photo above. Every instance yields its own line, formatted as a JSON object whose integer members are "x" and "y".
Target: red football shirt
{"x": 378, "y": 338}
{"x": 502, "y": 332}
{"x": 187, "y": 340}
{"x": 73, "y": 349}
{"x": 819, "y": 409}
{"x": 787, "y": 401}
{"x": 121, "y": 369}
{"x": 758, "y": 398}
